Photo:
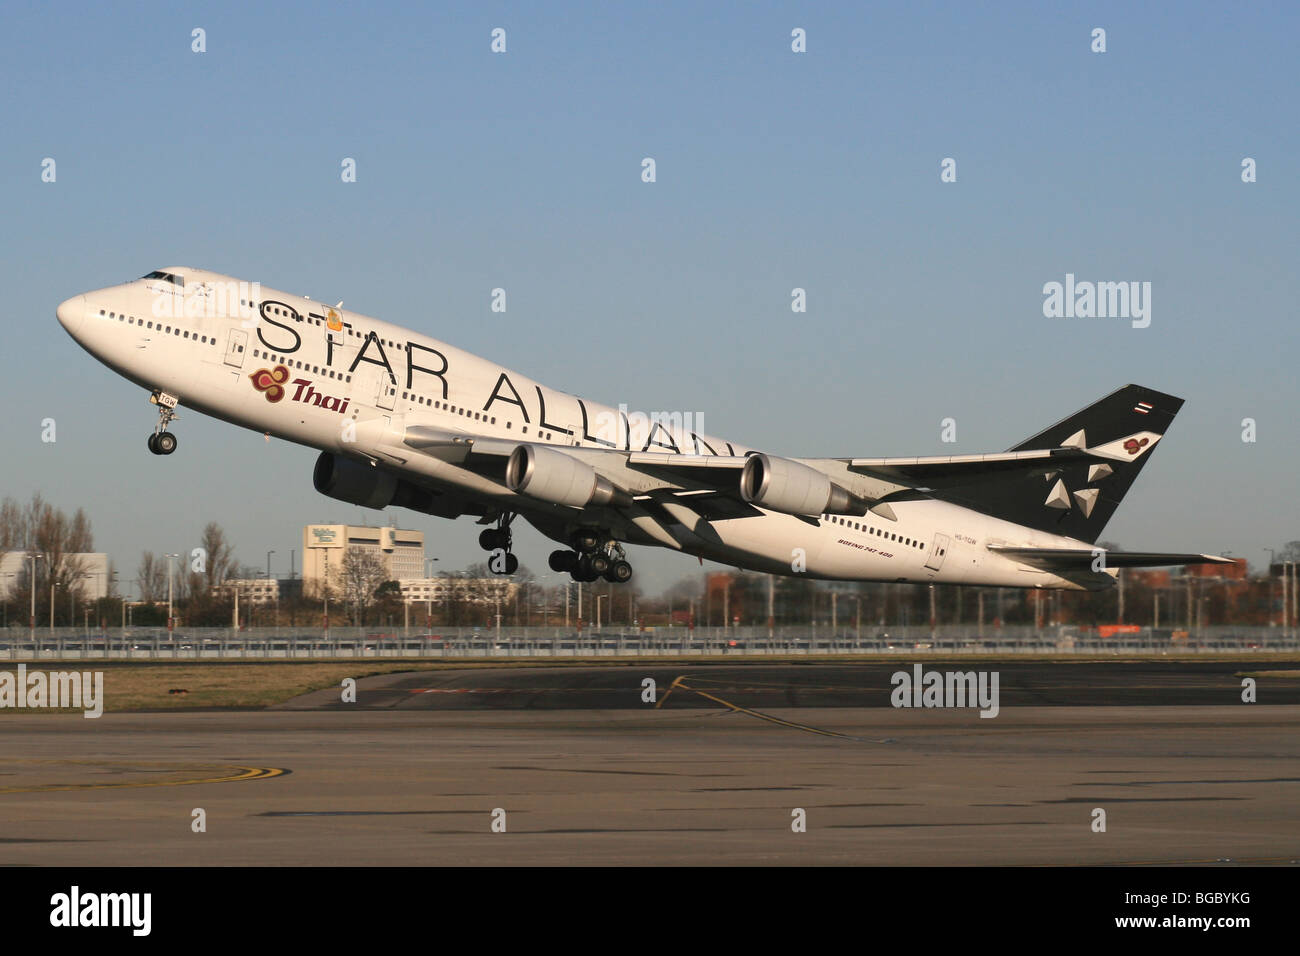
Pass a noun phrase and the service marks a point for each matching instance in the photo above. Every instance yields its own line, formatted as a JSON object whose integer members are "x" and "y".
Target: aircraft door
{"x": 372, "y": 386}
{"x": 937, "y": 551}
{"x": 236, "y": 345}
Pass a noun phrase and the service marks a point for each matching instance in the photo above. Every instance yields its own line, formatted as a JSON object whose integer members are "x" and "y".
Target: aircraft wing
{"x": 722, "y": 471}
{"x": 699, "y": 471}
{"x": 943, "y": 471}
{"x": 1081, "y": 559}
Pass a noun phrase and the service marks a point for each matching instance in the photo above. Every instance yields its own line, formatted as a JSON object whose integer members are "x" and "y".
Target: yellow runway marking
{"x": 677, "y": 682}
{"x": 680, "y": 683}
{"x": 219, "y": 774}
{"x": 768, "y": 717}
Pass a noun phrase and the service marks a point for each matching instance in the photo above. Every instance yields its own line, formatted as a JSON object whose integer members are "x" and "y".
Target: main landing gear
{"x": 498, "y": 541}
{"x": 594, "y": 555}
{"x": 163, "y": 442}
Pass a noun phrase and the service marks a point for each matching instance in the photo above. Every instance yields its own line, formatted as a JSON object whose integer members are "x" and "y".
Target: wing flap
{"x": 1081, "y": 559}
{"x": 959, "y": 469}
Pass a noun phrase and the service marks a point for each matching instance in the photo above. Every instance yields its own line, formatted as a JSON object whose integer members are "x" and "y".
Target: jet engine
{"x": 549, "y": 475}
{"x": 370, "y": 487}
{"x": 779, "y": 484}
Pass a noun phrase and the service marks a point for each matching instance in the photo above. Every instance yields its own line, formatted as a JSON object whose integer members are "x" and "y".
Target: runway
{"x": 587, "y": 772}
{"x": 817, "y": 684}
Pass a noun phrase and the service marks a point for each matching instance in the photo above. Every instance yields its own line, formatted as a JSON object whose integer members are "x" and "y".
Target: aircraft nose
{"x": 72, "y": 313}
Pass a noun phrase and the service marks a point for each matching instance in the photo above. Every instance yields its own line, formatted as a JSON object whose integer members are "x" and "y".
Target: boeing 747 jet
{"x": 405, "y": 420}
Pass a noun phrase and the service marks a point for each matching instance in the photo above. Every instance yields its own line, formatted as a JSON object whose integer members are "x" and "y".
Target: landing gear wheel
{"x": 586, "y": 540}
{"x": 512, "y": 563}
{"x": 162, "y": 442}
{"x": 562, "y": 561}
{"x": 598, "y": 563}
{"x": 582, "y": 570}
{"x": 490, "y": 539}
{"x": 620, "y": 572}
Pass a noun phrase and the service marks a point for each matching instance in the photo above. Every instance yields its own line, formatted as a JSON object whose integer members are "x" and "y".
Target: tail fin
{"x": 1076, "y": 499}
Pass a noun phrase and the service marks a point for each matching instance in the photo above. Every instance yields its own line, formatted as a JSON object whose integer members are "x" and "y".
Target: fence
{"x": 303, "y": 643}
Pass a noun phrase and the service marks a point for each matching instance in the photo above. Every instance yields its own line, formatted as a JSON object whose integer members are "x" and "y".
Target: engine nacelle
{"x": 357, "y": 484}
{"x": 779, "y": 484}
{"x": 549, "y": 475}
{"x": 370, "y": 487}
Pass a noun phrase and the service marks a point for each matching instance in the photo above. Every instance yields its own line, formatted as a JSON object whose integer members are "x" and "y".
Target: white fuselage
{"x": 353, "y": 389}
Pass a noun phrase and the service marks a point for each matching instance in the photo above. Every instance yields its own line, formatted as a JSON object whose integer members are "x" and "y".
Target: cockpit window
{"x": 167, "y": 277}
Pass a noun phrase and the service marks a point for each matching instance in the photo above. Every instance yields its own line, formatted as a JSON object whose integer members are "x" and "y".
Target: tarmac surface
{"x": 579, "y": 769}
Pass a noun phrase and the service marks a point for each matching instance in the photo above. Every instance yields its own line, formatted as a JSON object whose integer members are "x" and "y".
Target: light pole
{"x": 32, "y": 619}
{"x": 1120, "y": 614}
{"x": 1272, "y": 558}
{"x": 771, "y": 606}
{"x": 8, "y": 574}
{"x": 268, "y": 585}
{"x": 496, "y": 597}
{"x": 428, "y": 578}
{"x": 169, "y": 591}
{"x": 1288, "y": 610}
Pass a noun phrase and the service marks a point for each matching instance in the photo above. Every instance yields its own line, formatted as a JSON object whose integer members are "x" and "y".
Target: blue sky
{"x": 774, "y": 170}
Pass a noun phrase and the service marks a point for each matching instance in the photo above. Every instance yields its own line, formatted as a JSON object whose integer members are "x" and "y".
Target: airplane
{"x": 404, "y": 420}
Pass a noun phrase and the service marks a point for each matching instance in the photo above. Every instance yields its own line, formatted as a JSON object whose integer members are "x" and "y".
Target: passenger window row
{"x": 305, "y": 366}
{"x": 878, "y": 532}
{"x": 158, "y": 327}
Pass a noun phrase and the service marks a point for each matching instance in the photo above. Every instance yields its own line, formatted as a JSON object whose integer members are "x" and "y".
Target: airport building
{"x": 324, "y": 545}
{"x": 259, "y": 591}
{"x": 439, "y": 591}
{"x": 16, "y": 565}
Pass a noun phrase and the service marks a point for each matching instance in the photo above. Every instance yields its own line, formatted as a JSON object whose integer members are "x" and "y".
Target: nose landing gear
{"x": 163, "y": 442}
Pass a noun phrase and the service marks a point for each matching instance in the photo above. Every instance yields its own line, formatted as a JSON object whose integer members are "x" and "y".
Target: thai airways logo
{"x": 1133, "y": 446}
{"x": 271, "y": 381}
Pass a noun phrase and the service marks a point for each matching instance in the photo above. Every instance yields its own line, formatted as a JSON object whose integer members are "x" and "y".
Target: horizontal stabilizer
{"x": 1081, "y": 559}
